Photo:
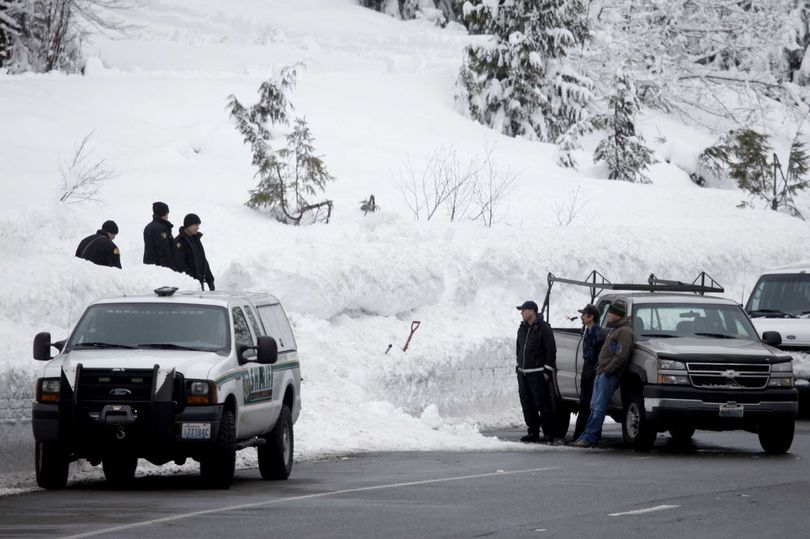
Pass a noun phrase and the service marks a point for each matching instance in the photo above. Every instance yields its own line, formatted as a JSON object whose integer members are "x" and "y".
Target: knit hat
{"x": 160, "y": 208}
{"x": 191, "y": 219}
{"x": 109, "y": 227}
{"x": 619, "y": 308}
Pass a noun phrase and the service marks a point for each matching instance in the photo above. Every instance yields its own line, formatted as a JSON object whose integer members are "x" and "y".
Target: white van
{"x": 166, "y": 377}
{"x": 780, "y": 301}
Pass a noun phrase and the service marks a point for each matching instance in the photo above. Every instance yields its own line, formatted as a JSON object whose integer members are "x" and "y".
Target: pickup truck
{"x": 697, "y": 363}
{"x": 780, "y": 301}
{"x": 167, "y": 377}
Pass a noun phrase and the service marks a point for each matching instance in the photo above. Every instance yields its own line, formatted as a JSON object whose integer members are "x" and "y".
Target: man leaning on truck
{"x": 613, "y": 358}
{"x": 536, "y": 359}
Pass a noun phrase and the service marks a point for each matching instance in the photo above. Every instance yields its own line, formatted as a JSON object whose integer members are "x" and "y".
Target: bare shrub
{"x": 83, "y": 176}
{"x": 566, "y": 212}
{"x": 492, "y": 185}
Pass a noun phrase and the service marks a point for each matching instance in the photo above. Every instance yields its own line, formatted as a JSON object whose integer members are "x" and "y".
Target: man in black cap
{"x": 158, "y": 245}
{"x": 591, "y": 344}
{"x": 190, "y": 255}
{"x": 536, "y": 359}
{"x": 613, "y": 358}
{"x": 99, "y": 248}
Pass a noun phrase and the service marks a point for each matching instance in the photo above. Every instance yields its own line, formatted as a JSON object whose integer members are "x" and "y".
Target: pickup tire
{"x": 636, "y": 431}
{"x": 51, "y": 465}
{"x": 276, "y": 456}
{"x": 119, "y": 469}
{"x": 217, "y": 467}
{"x": 776, "y": 437}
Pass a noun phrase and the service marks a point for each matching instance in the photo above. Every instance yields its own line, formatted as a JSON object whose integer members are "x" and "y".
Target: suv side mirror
{"x": 268, "y": 350}
{"x": 42, "y": 346}
{"x": 772, "y": 338}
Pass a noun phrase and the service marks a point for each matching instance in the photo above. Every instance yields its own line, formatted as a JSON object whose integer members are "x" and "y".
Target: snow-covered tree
{"x": 519, "y": 83}
{"x": 438, "y": 11}
{"x": 798, "y": 40}
{"x": 46, "y": 35}
{"x": 624, "y": 150}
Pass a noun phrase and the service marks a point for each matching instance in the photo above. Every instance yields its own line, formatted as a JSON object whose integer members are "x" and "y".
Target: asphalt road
{"x": 721, "y": 485}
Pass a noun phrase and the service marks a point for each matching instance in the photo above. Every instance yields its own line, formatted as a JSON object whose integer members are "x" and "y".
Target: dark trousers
{"x": 585, "y": 395}
{"x": 535, "y": 400}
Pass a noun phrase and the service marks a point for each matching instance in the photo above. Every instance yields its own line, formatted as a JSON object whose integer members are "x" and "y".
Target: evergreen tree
{"x": 289, "y": 175}
{"x": 798, "y": 41}
{"x": 623, "y": 150}
{"x": 519, "y": 83}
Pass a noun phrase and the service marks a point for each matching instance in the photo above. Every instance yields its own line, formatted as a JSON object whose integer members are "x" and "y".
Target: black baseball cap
{"x": 591, "y": 310}
{"x": 528, "y": 305}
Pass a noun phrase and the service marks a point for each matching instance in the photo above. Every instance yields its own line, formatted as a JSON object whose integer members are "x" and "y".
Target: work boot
{"x": 547, "y": 440}
{"x": 530, "y": 438}
{"x": 582, "y": 442}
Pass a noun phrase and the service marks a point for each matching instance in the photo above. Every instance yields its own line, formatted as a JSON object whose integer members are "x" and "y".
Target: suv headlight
{"x": 673, "y": 372}
{"x": 48, "y": 390}
{"x": 785, "y": 366}
{"x": 201, "y": 392}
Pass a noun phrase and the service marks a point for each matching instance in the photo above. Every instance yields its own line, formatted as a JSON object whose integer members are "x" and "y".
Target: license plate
{"x": 731, "y": 410}
{"x": 196, "y": 431}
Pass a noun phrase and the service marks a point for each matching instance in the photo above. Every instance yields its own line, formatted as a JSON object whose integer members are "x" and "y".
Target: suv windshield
{"x": 152, "y": 325}
{"x": 692, "y": 320}
{"x": 781, "y": 296}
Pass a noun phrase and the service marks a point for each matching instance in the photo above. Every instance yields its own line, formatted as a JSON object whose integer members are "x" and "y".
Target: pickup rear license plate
{"x": 196, "y": 431}
{"x": 731, "y": 410}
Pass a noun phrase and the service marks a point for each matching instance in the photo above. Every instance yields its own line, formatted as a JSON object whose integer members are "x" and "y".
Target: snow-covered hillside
{"x": 376, "y": 91}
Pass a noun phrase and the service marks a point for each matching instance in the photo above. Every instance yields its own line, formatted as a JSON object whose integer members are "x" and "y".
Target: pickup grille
{"x": 100, "y": 386}
{"x": 729, "y": 375}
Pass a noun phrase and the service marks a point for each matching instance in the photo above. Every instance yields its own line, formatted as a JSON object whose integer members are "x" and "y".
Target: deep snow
{"x": 376, "y": 92}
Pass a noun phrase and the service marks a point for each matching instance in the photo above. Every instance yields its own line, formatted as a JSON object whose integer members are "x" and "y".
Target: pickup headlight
{"x": 200, "y": 392}
{"x": 785, "y": 366}
{"x": 672, "y": 372}
{"x": 781, "y": 381}
{"x": 47, "y": 390}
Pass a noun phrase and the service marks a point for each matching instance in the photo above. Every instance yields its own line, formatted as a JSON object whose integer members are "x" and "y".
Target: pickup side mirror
{"x": 772, "y": 338}
{"x": 42, "y": 346}
{"x": 268, "y": 350}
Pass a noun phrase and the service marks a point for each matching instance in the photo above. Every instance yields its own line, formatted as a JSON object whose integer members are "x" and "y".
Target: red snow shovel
{"x": 414, "y": 327}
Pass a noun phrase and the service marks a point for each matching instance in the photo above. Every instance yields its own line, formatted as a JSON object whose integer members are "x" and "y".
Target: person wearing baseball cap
{"x": 591, "y": 343}
{"x": 536, "y": 354}
{"x": 612, "y": 360}
{"x": 99, "y": 248}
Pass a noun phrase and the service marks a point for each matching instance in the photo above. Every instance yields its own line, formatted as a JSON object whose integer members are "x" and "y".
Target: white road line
{"x": 182, "y": 516}
{"x": 642, "y": 511}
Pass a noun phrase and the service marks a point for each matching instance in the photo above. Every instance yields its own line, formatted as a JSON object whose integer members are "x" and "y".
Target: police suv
{"x": 167, "y": 377}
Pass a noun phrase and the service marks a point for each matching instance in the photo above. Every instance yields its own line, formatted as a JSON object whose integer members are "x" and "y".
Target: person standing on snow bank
{"x": 158, "y": 245}
{"x": 613, "y": 358}
{"x": 190, "y": 254}
{"x": 99, "y": 248}
{"x": 536, "y": 359}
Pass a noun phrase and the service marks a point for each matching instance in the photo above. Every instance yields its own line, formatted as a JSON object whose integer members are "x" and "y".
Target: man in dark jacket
{"x": 158, "y": 245}
{"x": 190, "y": 255}
{"x": 536, "y": 359}
{"x": 613, "y": 358}
{"x": 99, "y": 248}
{"x": 592, "y": 340}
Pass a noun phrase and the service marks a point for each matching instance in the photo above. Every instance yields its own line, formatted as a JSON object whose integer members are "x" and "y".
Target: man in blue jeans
{"x": 613, "y": 357}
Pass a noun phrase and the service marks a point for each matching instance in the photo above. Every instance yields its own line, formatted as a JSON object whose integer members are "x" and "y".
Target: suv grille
{"x": 729, "y": 375}
{"x": 121, "y": 386}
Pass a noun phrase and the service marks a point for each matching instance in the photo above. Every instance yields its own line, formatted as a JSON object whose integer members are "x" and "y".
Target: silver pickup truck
{"x": 697, "y": 363}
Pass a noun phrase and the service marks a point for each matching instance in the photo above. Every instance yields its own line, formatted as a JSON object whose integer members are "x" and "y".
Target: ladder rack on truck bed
{"x": 597, "y": 282}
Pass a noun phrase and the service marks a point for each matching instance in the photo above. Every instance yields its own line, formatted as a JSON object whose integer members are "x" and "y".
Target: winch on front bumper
{"x": 143, "y": 411}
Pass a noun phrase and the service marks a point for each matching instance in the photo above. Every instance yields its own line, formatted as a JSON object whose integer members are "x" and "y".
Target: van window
{"x": 277, "y": 326}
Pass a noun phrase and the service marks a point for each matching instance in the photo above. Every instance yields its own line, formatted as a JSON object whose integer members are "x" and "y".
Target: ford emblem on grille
{"x": 731, "y": 374}
{"x": 120, "y": 392}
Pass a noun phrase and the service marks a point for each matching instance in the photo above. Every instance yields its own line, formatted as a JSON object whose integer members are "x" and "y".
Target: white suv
{"x": 780, "y": 301}
{"x": 167, "y": 377}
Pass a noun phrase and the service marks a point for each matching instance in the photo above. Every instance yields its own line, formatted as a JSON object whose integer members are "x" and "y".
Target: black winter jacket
{"x": 190, "y": 257}
{"x": 99, "y": 249}
{"x": 158, "y": 245}
{"x": 536, "y": 349}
